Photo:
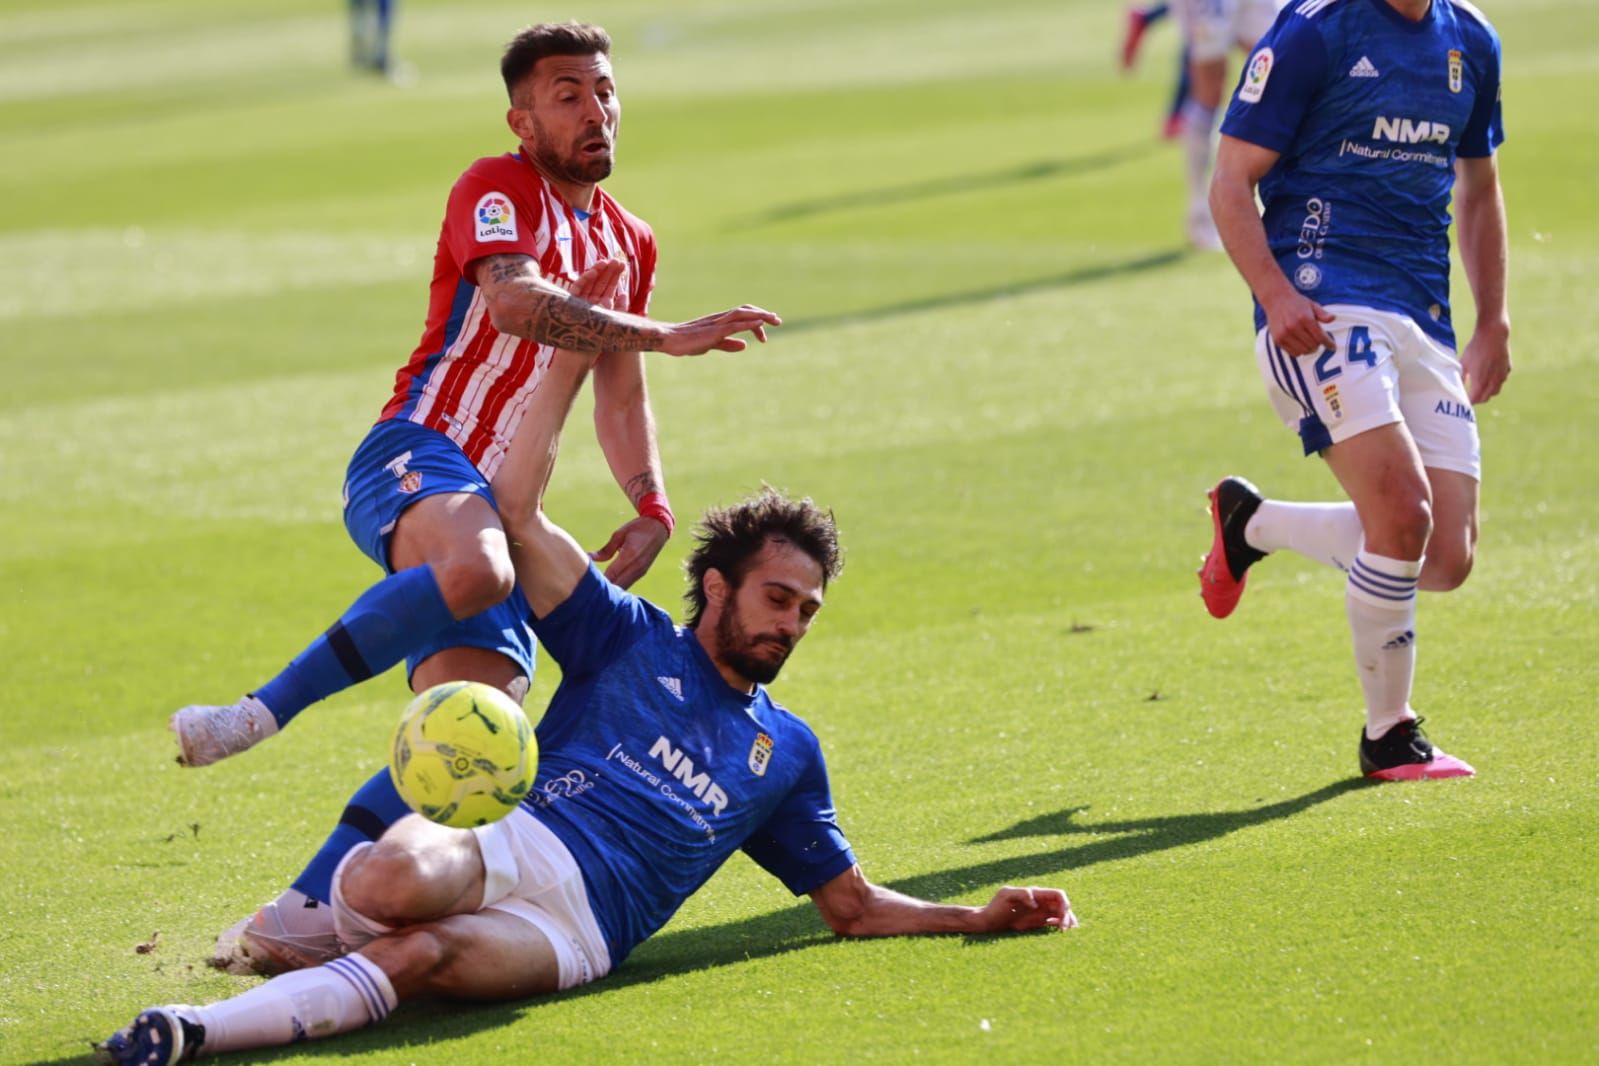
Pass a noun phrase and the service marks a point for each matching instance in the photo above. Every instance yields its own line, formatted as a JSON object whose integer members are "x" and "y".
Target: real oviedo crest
{"x": 760, "y": 754}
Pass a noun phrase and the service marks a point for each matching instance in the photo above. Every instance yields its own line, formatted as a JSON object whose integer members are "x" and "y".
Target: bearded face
{"x": 757, "y": 656}
{"x": 567, "y": 115}
{"x": 584, "y": 159}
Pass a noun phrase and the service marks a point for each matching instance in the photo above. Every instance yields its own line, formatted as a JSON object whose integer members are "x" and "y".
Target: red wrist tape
{"x": 654, "y": 505}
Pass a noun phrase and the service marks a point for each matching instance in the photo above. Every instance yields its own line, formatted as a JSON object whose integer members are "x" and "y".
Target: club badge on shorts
{"x": 1330, "y": 392}
{"x": 410, "y": 480}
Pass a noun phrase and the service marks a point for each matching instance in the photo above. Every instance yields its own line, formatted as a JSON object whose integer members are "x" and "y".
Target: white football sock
{"x": 1328, "y": 533}
{"x": 1199, "y": 136}
{"x": 1380, "y": 597}
{"x": 345, "y": 994}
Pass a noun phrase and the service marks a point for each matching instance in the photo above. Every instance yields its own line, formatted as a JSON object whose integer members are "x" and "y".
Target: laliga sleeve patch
{"x": 1255, "y": 76}
{"x": 495, "y": 218}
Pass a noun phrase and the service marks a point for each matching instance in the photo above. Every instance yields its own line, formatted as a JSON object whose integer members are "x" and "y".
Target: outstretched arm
{"x": 1484, "y": 250}
{"x": 853, "y": 906}
{"x": 523, "y": 303}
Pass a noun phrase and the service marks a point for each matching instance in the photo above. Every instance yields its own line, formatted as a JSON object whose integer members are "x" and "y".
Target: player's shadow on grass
{"x": 799, "y": 927}
{"x": 954, "y": 185}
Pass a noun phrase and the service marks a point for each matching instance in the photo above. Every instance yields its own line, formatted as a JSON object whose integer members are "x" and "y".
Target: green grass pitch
{"x": 1003, "y": 372}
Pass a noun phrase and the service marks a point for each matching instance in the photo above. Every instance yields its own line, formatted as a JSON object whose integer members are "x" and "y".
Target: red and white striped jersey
{"x": 466, "y": 379}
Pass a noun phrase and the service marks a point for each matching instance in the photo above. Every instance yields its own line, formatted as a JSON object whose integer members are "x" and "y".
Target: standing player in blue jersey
{"x": 661, "y": 754}
{"x": 1356, "y": 118}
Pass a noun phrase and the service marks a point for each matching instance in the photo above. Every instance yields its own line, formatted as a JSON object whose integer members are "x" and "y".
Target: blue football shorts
{"x": 398, "y": 464}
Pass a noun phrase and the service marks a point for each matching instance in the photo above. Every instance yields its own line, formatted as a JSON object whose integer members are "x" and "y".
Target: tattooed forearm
{"x": 640, "y": 485}
{"x": 567, "y": 322}
{"x": 525, "y": 304}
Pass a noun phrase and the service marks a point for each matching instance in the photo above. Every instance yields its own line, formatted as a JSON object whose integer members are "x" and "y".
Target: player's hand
{"x": 601, "y": 284}
{"x": 631, "y": 550}
{"x": 1486, "y": 362}
{"x": 715, "y": 332}
{"x": 1295, "y": 323}
{"x": 1020, "y": 909}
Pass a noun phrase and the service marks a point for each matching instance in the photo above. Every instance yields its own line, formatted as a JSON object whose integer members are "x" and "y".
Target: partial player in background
{"x": 1211, "y": 30}
{"x": 1139, "y": 20}
{"x": 520, "y": 230}
{"x": 558, "y": 892}
{"x": 1356, "y": 119}
{"x": 371, "y": 28}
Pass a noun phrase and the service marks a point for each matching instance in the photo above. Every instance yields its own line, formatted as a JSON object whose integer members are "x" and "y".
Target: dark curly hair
{"x": 549, "y": 39}
{"x": 729, "y": 538}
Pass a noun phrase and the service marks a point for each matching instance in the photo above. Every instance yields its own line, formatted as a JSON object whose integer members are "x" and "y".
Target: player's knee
{"x": 1403, "y": 529}
{"x": 475, "y": 581}
{"x": 387, "y": 884}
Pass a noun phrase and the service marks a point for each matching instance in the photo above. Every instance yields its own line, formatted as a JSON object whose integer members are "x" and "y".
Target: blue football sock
{"x": 386, "y": 623}
{"x": 374, "y": 807}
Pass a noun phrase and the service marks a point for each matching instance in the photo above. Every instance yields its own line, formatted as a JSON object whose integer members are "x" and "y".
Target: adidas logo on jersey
{"x": 672, "y": 685}
{"x": 1364, "y": 69}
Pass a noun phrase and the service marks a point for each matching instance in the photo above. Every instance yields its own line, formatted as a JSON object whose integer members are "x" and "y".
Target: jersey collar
{"x": 1405, "y": 24}
{"x": 713, "y": 677}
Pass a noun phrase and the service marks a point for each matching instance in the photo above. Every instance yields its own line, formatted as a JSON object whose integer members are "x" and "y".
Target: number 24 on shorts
{"x": 1357, "y": 349}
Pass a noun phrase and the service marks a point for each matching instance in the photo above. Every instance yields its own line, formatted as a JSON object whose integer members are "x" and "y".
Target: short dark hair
{"x": 549, "y": 39}
{"x": 729, "y": 538}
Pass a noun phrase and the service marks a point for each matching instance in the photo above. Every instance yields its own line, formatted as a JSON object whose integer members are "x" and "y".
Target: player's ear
{"x": 717, "y": 588}
{"x": 521, "y": 123}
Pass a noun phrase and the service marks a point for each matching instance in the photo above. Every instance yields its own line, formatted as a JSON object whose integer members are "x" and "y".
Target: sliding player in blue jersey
{"x": 1356, "y": 119}
{"x": 661, "y": 754}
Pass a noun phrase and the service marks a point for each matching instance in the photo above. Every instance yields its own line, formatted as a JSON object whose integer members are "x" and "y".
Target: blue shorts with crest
{"x": 398, "y": 464}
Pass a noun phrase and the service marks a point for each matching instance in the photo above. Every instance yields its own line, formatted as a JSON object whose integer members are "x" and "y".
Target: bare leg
{"x": 1381, "y": 471}
{"x": 489, "y": 955}
{"x": 419, "y": 870}
{"x": 1452, "y": 549}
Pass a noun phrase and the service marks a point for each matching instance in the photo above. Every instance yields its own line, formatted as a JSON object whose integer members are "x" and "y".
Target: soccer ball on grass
{"x": 464, "y": 754}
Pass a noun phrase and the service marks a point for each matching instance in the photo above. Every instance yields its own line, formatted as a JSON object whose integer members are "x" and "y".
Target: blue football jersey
{"x": 1368, "y": 111}
{"x": 653, "y": 770}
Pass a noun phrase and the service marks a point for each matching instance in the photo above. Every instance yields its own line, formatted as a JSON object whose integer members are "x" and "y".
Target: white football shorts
{"x": 1213, "y": 28}
{"x": 529, "y": 873}
{"x": 1383, "y": 370}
